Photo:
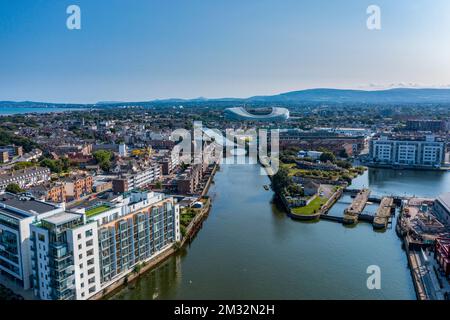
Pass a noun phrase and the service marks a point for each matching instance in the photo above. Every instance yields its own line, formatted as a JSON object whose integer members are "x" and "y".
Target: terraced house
{"x": 25, "y": 178}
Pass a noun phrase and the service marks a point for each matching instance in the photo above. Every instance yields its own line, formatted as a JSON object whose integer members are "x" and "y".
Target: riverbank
{"x": 191, "y": 231}
{"x": 406, "y": 167}
{"x": 420, "y": 246}
{"x": 245, "y": 229}
{"x": 149, "y": 265}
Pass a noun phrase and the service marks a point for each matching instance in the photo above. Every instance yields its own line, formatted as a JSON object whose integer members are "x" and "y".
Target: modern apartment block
{"x": 12, "y": 151}
{"x": 188, "y": 182}
{"x": 65, "y": 257}
{"x": 17, "y": 213}
{"x": 170, "y": 161}
{"x": 78, "y": 253}
{"x": 25, "y": 178}
{"x": 426, "y": 125}
{"x": 427, "y": 152}
{"x": 146, "y": 225}
{"x": 4, "y": 156}
{"x": 137, "y": 180}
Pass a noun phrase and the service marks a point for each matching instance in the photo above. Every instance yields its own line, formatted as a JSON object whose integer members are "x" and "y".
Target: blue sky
{"x": 135, "y": 50}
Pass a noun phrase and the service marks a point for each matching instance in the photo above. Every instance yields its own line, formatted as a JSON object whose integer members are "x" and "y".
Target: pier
{"x": 356, "y": 208}
{"x": 384, "y": 213}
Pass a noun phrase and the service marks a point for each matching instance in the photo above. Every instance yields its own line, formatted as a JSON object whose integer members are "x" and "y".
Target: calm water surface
{"x": 23, "y": 110}
{"x": 248, "y": 249}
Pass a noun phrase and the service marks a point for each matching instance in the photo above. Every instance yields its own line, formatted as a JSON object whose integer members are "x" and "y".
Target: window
{"x": 89, "y": 243}
{"x": 80, "y": 256}
{"x": 89, "y": 233}
{"x": 90, "y": 252}
{"x": 91, "y": 271}
{"x": 90, "y": 262}
{"x": 92, "y": 289}
{"x": 91, "y": 280}
{"x": 79, "y": 236}
{"x": 41, "y": 237}
{"x": 80, "y": 246}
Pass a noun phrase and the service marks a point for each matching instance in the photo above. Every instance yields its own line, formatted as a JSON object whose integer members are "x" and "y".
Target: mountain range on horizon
{"x": 320, "y": 95}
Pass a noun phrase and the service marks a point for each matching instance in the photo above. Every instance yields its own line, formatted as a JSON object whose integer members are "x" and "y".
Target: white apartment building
{"x": 144, "y": 177}
{"x": 17, "y": 213}
{"x": 65, "y": 259}
{"x": 426, "y": 152}
{"x": 77, "y": 254}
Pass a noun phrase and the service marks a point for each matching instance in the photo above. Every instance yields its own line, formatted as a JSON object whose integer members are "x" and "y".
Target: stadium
{"x": 273, "y": 114}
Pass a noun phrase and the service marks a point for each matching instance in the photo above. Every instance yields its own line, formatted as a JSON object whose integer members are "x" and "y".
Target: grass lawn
{"x": 96, "y": 210}
{"x": 311, "y": 207}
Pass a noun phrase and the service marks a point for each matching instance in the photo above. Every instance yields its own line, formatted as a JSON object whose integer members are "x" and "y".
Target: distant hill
{"x": 391, "y": 96}
{"x": 400, "y": 95}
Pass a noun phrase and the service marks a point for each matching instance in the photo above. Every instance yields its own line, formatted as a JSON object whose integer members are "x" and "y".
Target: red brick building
{"x": 78, "y": 186}
{"x": 442, "y": 254}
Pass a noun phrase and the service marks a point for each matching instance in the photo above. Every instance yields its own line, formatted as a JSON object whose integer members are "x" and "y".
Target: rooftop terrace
{"x": 97, "y": 210}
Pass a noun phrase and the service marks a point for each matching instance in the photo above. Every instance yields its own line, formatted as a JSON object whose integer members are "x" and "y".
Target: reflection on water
{"x": 156, "y": 283}
{"x": 404, "y": 182}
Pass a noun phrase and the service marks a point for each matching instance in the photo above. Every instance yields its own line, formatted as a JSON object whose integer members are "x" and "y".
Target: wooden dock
{"x": 356, "y": 207}
{"x": 384, "y": 213}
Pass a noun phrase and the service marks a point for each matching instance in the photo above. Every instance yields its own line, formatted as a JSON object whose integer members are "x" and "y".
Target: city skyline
{"x": 189, "y": 50}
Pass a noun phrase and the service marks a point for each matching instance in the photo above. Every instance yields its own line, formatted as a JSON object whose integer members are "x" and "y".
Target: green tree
{"x": 65, "y": 164}
{"x": 105, "y": 165}
{"x": 344, "y": 164}
{"x": 55, "y": 166}
{"x": 7, "y": 138}
{"x": 343, "y": 153}
{"x": 295, "y": 190}
{"x": 327, "y": 156}
{"x": 23, "y": 165}
{"x": 14, "y": 188}
{"x": 281, "y": 180}
{"x": 103, "y": 158}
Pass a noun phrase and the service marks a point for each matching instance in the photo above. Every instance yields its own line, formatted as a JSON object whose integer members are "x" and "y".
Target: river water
{"x": 248, "y": 249}
{"x": 5, "y": 111}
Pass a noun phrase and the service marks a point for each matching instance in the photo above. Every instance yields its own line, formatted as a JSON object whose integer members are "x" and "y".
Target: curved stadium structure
{"x": 239, "y": 113}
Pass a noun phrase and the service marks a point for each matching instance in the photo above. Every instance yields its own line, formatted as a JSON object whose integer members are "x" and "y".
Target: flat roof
{"x": 61, "y": 218}
{"x": 27, "y": 204}
{"x": 445, "y": 200}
